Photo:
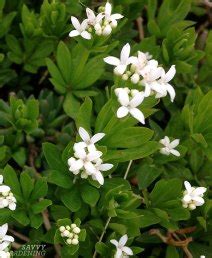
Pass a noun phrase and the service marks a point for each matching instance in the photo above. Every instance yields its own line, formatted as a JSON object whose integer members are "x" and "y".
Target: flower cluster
{"x": 7, "y": 198}
{"x": 144, "y": 71}
{"x": 192, "y": 196}
{"x": 122, "y": 251}
{"x": 169, "y": 146}
{"x": 87, "y": 159}
{"x": 100, "y": 24}
{"x": 130, "y": 100}
{"x": 5, "y": 241}
{"x": 70, "y": 233}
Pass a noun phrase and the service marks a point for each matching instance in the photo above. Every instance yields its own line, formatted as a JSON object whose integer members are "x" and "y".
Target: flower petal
{"x": 174, "y": 143}
{"x": 123, "y": 97}
{"x": 4, "y": 188}
{"x": 123, "y": 240}
{"x": 114, "y": 242}
{"x": 74, "y": 33}
{"x": 171, "y": 91}
{"x": 125, "y": 53}
{"x": 99, "y": 177}
{"x": 8, "y": 239}
{"x": 116, "y": 16}
{"x": 122, "y": 112}
{"x": 94, "y": 155}
{"x": 86, "y": 35}
{"x": 120, "y": 69}
{"x": 137, "y": 100}
{"x": 84, "y": 134}
{"x": 97, "y": 137}
{"x": 108, "y": 9}
{"x": 105, "y": 167}
{"x": 90, "y": 14}
{"x": 175, "y": 153}
{"x": 1, "y": 179}
{"x": 112, "y": 60}
{"x": 75, "y": 23}
{"x": 127, "y": 250}
{"x": 90, "y": 168}
{"x": 170, "y": 74}
{"x": 198, "y": 200}
{"x": 137, "y": 114}
{"x": 199, "y": 190}
{"x": 187, "y": 186}
{"x": 118, "y": 253}
{"x": 3, "y": 230}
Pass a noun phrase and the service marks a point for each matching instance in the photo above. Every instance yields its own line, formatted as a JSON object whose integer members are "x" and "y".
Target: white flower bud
{"x": 76, "y": 236}
{"x": 75, "y": 241}
{"x": 69, "y": 241}
{"x": 114, "y": 24}
{"x": 68, "y": 227}
{"x": 66, "y": 233}
{"x": 125, "y": 77}
{"x": 192, "y": 206}
{"x": 107, "y": 30}
{"x": 135, "y": 78}
{"x": 62, "y": 229}
{"x": 73, "y": 225}
{"x": 76, "y": 230}
{"x": 70, "y": 235}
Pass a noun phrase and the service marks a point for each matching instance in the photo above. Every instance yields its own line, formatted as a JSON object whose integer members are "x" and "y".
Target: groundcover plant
{"x": 105, "y": 128}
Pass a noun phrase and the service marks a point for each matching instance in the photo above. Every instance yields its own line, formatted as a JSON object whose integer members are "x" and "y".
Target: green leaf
{"x": 11, "y": 179}
{"x": 61, "y": 179}
{"x": 132, "y": 153}
{"x": 71, "y": 105}
{"x": 21, "y": 216}
{"x": 26, "y": 185}
{"x": 165, "y": 190}
{"x": 53, "y": 157}
{"x": 41, "y": 206}
{"x": 71, "y": 199}
{"x": 146, "y": 174}
{"x": 64, "y": 61}
{"x": 83, "y": 118}
{"x": 4, "y": 216}
{"x": 90, "y": 194}
{"x": 40, "y": 189}
{"x": 128, "y": 137}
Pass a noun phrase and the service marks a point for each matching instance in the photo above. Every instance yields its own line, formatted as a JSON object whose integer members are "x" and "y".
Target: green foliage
{"x": 52, "y": 84}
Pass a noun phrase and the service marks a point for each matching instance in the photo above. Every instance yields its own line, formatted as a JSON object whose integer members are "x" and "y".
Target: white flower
{"x": 193, "y": 196}
{"x": 87, "y": 159}
{"x": 84, "y": 160}
{"x": 80, "y": 29}
{"x": 202, "y": 256}
{"x": 111, "y": 18}
{"x": 90, "y": 141}
{"x": 121, "y": 249}
{"x": 169, "y": 146}
{"x": 164, "y": 85}
{"x": 141, "y": 61}
{"x": 5, "y": 240}
{"x": 122, "y": 63}
{"x": 4, "y": 254}
{"x": 130, "y": 100}
{"x": 93, "y": 19}
{"x": 151, "y": 73}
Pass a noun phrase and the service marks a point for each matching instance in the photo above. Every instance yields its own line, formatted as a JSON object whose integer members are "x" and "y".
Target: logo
{"x": 30, "y": 250}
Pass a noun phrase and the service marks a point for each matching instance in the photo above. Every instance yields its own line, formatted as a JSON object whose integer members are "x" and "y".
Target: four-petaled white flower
{"x": 122, "y": 63}
{"x": 80, "y": 29}
{"x": 5, "y": 240}
{"x": 89, "y": 142}
{"x": 87, "y": 159}
{"x": 111, "y": 18}
{"x": 169, "y": 146}
{"x": 93, "y": 19}
{"x": 130, "y": 100}
{"x": 6, "y": 196}
{"x": 164, "y": 83}
{"x": 192, "y": 196}
{"x": 122, "y": 251}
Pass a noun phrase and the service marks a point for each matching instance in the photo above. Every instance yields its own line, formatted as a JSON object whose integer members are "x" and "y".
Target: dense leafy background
{"x": 51, "y": 84}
